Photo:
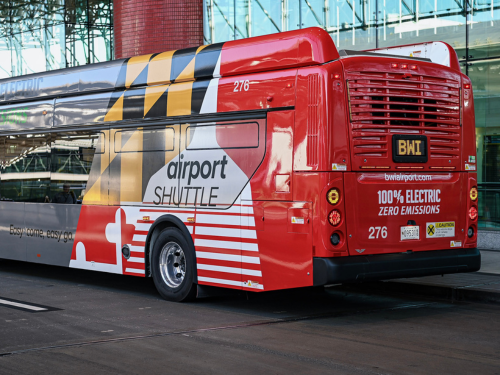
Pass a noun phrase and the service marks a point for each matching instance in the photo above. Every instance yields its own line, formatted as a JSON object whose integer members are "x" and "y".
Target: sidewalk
{"x": 481, "y": 286}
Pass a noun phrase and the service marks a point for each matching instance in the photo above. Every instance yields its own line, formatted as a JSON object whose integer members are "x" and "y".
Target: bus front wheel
{"x": 174, "y": 266}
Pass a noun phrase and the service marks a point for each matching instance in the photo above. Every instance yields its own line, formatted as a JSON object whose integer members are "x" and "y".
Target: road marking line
{"x": 22, "y": 305}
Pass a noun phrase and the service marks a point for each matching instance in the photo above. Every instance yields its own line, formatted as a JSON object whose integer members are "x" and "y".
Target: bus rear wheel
{"x": 173, "y": 266}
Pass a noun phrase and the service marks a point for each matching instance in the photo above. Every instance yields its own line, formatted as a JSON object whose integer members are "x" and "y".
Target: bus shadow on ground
{"x": 313, "y": 303}
{"x": 72, "y": 276}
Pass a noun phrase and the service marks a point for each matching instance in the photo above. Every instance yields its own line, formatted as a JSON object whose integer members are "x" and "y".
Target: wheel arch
{"x": 162, "y": 223}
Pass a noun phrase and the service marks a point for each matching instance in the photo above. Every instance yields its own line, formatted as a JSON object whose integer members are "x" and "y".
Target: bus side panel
{"x": 50, "y": 230}
{"x": 283, "y": 227}
{"x": 12, "y": 236}
{"x": 337, "y": 145}
{"x": 256, "y": 91}
{"x": 273, "y": 179}
{"x": 321, "y": 140}
{"x": 285, "y": 239}
{"x": 102, "y": 232}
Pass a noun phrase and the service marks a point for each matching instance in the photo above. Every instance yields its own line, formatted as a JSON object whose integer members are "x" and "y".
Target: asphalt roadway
{"x": 83, "y": 322}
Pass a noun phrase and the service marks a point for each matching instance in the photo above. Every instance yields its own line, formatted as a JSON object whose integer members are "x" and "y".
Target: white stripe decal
{"x": 228, "y": 282}
{"x": 231, "y": 210}
{"x": 133, "y": 270}
{"x": 241, "y": 271}
{"x": 253, "y": 260}
{"x": 247, "y": 221}
{"x": 143, "y": 227}
{"x": 218, "y": 256}
{"x": 249, "y": 246}
{"x": 137, "y": 249}
{"x": 220, "y": 281}
{"x": 228, "y": 257}
{"x": 135, "y": 260}
{"x": 22, "y": 305}
{"x": 226, "y": 232}
{"x": 227, "y": 245}
{"x": 139, "y": 238}
{"x": 218, "y": 219}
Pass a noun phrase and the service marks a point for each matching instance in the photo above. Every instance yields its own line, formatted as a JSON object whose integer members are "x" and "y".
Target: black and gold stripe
{"x": 166, "y": 84}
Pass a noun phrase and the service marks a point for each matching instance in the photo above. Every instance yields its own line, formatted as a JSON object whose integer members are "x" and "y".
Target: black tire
{"x": 169, "y": 279}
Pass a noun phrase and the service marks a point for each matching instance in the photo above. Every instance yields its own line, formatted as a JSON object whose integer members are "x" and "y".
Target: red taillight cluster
{"x": 334, "y": 197}
{"x": 404, "y": 66}
{"x": 473, "y": 213}
{"x": 334, "y": 217}
{"x": 473, "y": 197}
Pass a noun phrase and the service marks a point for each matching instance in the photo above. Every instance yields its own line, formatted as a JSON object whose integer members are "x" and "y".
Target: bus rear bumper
{"x": 355, "y": 269}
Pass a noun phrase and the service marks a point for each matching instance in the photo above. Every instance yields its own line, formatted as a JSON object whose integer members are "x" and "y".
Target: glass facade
{"x": 472, "y": 27}
{"x": 42, "y": 35}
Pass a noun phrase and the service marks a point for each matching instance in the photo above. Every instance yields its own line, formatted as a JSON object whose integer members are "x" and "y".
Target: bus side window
{"x": 144, "y": 140}
{"x": 143, "y": 152}
{"x": 226, "y": 136}
{"x": 25, "y": 167}
{"x": 218, "y": 161}
{"x": 72, "y": 156}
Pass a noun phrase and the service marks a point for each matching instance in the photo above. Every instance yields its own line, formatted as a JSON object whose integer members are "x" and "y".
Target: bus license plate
{"x": 410, "y": 233}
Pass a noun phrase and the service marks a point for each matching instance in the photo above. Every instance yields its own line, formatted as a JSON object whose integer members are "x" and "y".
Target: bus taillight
{"x": 473, "y": 193}
{"x": 334, "y": 217}
{"x": 472, "y": 213}
{"x": 333, "y": 196}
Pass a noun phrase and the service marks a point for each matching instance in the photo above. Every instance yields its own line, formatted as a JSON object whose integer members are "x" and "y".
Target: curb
{"x": 452, "y": 294}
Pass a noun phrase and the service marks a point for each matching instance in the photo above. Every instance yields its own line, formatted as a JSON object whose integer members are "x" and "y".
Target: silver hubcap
{"x": 172, "y": 264}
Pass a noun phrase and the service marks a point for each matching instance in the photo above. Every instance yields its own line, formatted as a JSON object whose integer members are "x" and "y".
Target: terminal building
{"x": 41, "y": 35}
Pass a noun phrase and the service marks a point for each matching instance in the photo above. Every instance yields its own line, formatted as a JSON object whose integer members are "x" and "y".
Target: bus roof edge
{"x": 438, "y": 52}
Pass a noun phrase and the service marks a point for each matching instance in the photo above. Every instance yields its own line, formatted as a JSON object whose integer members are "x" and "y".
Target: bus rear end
{"x": 411, "y": 192}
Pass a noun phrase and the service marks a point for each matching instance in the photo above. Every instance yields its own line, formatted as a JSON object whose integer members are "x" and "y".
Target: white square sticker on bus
{"x": 410, "y": 232}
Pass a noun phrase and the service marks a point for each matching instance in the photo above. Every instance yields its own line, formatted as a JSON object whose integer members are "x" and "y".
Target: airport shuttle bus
{"x": 259, "y": 164}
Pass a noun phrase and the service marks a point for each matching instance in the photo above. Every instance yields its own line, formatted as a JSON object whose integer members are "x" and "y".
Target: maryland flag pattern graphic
{"x": 172, "y": 83}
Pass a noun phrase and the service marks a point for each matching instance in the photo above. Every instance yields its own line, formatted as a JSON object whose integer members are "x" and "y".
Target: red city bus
{"x": 259, "y": 164}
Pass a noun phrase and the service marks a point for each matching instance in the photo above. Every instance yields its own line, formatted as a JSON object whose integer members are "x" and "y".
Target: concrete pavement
{"x": 112, "y": 324}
